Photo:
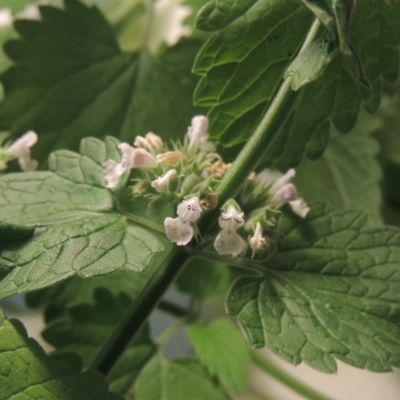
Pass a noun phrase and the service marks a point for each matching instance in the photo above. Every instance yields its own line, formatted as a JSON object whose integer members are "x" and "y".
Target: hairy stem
{"x": 246, "y": 162}
{"x": 282, "y": 376}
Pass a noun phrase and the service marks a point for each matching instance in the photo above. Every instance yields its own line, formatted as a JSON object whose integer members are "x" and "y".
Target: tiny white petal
{"x": 21, "y": 149}
{"x": 31, "y": 11}
{"x": 197, "y": 134}
{"x": 299, "y": 207}
{"x": 189, "y": 210}
{"x": 167, "y": 23}
{"x": 142, "y": 158}
{"x": 150, "y": 142}
{"x": 283, "y": 180}
{"x": 229, "y": 242}
{"x": 178, "y": 231}
{"x": 6, "y": 18}
{"x": 284, "y": 195}
{"x": 112, "y": 172}
{"x": 268, "y": 176}
{"x": 161, "y": 183}
{"x": 231, "y": 219}
{"x": 27, "y": 164}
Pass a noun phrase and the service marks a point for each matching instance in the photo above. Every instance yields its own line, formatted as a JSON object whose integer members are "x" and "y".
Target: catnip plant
{"x": 241, "y": 150}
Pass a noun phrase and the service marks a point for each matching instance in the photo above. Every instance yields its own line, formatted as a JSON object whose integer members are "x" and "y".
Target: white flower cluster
{"x": 188, "y": 173}
{"x": 21, "y": 150}
{"x": 149, "y": 153}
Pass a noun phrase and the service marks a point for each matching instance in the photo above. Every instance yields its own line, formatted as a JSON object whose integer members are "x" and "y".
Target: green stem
{"x": 282, "y": 376}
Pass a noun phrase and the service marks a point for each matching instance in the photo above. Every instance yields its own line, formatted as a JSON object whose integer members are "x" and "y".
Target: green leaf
{"x": 204, "y": 279}
{"x": 86, "y": 247}
{"x": 221, "y": 350}
{"x": 27, "y": 372}
{"x": 73, "y": 188}
{"x": 78, "y": 233}
{"x": 86, "y": 327}
{"x": 177, "y": 380}
{"x": 346, "y": 176}
{"x": 243, "y": 62}
{"x": 332, "y": 291}
{"x": 70, "y": 80}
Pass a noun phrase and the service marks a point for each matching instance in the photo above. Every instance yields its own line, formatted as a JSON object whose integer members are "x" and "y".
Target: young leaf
{"x": 346, "y": 176}
{"x": 204, "y": 279}
{"x": 27, "y": 372}
{"x": 177, "y": 380}
{"x": 85, "y": 328}
{"x": 240, "y": 77}
{"x": 330, "y": 292}
{"x": 70, "y": 80}
{"x": 220, "y": 348}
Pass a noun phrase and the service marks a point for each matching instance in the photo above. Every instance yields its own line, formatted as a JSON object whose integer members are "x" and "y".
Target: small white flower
{"x": 231, "y": 219}
{"x": 6, "y": 18}
{"x": 229, "y": 242}
{"x": 189, "y": 210}
{"x": 283, "y": 191}
{"x": 150, "y": 142}
{"x": 131, "y": 158}
{"x": 284, "y": 195}
{"x": 299, "y": 207}
{"x": 197, "y": 134}
{"x": 20, "y": 149}
{"x": 161, "y": 183}
{"x": 178, "y": 229}
{"x": 257, "y": 241}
